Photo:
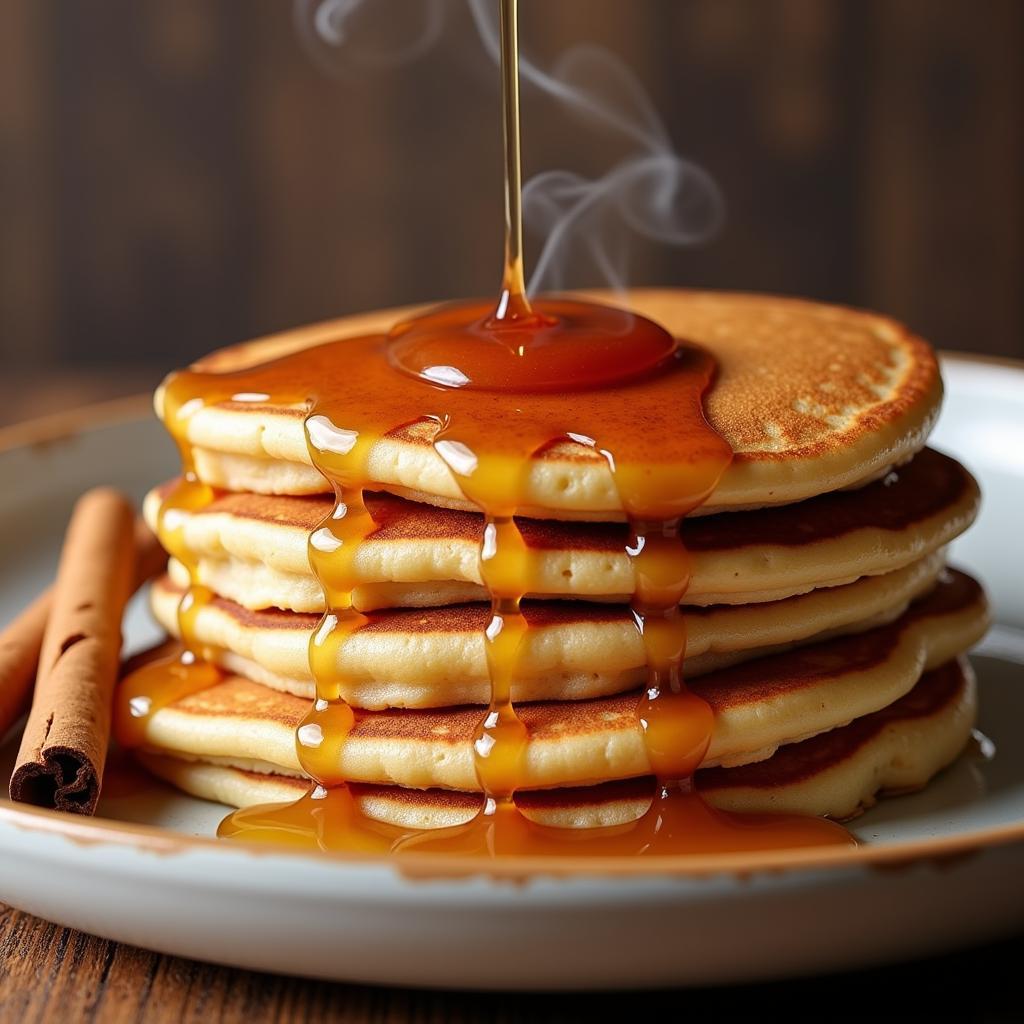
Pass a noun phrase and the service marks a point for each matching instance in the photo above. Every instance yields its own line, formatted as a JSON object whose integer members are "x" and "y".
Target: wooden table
{"x": 55, "y": 974}
{"x": 51, "y": 973}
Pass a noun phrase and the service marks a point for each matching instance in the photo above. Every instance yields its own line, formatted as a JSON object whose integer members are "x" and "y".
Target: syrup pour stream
{"x": 500, "y": 386}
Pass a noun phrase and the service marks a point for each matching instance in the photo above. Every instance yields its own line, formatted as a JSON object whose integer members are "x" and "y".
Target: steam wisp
{"x": 586, "y": 224}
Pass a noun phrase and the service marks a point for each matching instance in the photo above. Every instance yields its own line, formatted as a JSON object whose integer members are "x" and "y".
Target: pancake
{"x": 811, "y": 398}
{"x": 436, "y": 657}
{"x": 253, "y": 548}
{"x": 758, "y": 707}
{"x": 836, "y": 774}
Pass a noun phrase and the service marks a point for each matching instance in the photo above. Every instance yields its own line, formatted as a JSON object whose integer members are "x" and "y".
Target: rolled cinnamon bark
{"x": 22, "y": 638}
{"x": 19, "y": 655}
{"x": 63, "y": 751}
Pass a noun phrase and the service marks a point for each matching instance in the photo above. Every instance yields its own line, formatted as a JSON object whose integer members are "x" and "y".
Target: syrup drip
{"x": 665, "y": 461}
{"x": 565, "y": 371}
{"x": 513, "y": 305}
{"x": 165, "y": 680}
{"x": 678, "y": 822}
{"x": 516, "y": 346}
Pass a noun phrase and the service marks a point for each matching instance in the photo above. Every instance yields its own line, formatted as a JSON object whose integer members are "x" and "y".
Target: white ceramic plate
{"x": 936, "y": 870}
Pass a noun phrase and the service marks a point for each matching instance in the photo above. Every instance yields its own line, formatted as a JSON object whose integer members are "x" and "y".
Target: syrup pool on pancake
{"x": 499, "y": 384}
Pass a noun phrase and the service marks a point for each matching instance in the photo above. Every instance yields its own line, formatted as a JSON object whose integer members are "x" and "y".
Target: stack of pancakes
{"x": 824, "y": 628}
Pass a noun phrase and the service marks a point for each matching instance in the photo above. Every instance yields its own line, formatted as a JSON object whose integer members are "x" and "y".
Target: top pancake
{"x": 811, "y": 398}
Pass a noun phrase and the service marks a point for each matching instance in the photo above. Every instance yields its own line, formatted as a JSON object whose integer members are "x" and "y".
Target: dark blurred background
{"x": 179, "y": 174}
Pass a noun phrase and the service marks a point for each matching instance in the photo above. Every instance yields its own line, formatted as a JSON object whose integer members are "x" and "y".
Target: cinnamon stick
{"x": 22, "y": 638}
{"x": 63, "y": 751}
{"x": 19, "y": 655}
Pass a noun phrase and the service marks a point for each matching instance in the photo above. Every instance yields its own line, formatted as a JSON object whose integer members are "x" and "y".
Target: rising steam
{"x": 585, "y": 223}
{"x": 339, "y": 34}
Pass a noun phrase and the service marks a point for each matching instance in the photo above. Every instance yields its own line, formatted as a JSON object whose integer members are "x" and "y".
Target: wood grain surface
{"x": 178, "y": 174}
{"x": 55, "y": 974}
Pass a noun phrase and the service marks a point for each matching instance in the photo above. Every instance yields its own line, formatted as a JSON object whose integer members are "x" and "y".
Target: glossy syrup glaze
{"x": 498, "y": 384}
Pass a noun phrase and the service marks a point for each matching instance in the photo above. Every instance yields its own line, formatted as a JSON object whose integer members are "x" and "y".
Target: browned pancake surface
{"x": 747, "y": 684}
{"x": 929, "y": 483}
{"x": 791, "y": 764}
{"x": 924, "y": 487}
{"x": 798, "y": 761}
{"x": 235, "y": 697}
{"x": 765, "y": 678}
{"x": 455, "y": 618}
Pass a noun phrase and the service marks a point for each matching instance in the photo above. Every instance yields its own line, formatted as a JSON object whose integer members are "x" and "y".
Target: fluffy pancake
{"x": 253, "y": 548}
{"x": 838, "y": 773}
{"x": 574, "y": 650}
{"x": 811, "y": 398}
{"x": 758, "y": 706}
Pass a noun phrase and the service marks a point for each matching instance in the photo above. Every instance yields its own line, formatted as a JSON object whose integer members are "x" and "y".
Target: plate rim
{"x": 981, "y": 359}
{"x": 66, "y": 424}
{"x": 938, "y": 851}
{"x": 78, "y": 830}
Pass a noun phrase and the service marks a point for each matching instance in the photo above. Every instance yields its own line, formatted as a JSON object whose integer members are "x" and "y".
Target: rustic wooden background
{"x": 177, "y": 174}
